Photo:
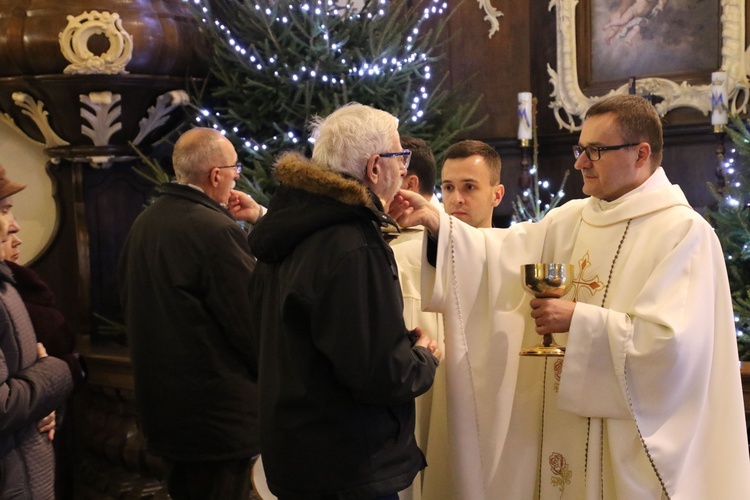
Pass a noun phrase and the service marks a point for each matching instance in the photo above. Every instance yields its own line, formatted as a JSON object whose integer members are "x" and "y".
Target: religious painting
{"x": 644, "y": 38}
{"x": 671, "y": 47}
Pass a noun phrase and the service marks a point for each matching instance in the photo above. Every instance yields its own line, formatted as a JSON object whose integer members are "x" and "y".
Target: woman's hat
{"x": 7, "y": 186}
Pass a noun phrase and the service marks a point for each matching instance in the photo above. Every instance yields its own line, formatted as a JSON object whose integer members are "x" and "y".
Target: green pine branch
{"x": 149, "y": 169}
{"x": 731, "y": 220}
{"x": 283, "y": 63}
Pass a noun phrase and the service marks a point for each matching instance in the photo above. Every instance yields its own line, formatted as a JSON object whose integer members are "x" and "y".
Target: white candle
{"x": 719, "y": 90}
{"x": 524, "y": 116}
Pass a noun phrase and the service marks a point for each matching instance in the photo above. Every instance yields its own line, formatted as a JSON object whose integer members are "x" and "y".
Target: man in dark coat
{"x": 184, "y": 275}
{"x": 338, "y": 370}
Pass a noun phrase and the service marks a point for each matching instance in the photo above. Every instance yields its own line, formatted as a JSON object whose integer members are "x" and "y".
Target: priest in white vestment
{"x": 647, "y": 401}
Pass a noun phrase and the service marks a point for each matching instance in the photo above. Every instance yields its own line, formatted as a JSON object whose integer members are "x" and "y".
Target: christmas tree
{"x": 277, "y": 63}
{"x": 731, "y": 219}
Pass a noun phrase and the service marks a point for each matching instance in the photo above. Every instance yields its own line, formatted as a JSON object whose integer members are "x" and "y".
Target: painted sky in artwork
{"x": 653, "y": 38}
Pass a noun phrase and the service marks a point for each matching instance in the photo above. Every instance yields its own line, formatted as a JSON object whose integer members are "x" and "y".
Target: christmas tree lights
{"x": 731, "y": 220}
{"x": 278, "y": 63}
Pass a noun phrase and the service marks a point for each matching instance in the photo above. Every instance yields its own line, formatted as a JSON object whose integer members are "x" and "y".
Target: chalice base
{"x": 543, "y": 350}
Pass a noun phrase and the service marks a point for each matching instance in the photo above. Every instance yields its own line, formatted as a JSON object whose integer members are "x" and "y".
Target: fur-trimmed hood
{"x": 295, "y": 171}
{"x": 310, "y": 197}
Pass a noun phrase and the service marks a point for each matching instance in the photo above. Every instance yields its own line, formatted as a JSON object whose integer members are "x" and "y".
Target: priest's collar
{"x": 654, "y": 195}
{"x": 654, "y": 181}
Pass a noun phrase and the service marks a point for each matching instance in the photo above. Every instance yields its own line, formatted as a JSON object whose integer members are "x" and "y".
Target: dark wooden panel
{"x": 113, "y": 198}
{"x": 496, "y": 67}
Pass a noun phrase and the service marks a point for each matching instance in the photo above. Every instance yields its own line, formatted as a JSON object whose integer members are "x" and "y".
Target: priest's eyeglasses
{"x": 594, "y": 153}
{"x": 237, "y": 165}
{"x": 405, "y": 156}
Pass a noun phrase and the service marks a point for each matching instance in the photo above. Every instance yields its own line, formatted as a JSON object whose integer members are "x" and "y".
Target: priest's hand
{"x": 411, "y": 209}
{"x": 242, "y": 206}
{"x": 552, "y": 315}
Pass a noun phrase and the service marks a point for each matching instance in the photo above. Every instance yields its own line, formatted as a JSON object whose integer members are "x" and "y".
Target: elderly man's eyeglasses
{"x": 594, "y": 153}
{"x": 405, "y": 156}
{"x": 237, "y": 166}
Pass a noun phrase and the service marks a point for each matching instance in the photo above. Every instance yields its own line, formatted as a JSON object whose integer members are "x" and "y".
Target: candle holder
{"x": 524, "y": 179}
{"x": 527, "y": 116}
{"x": 720, "y": 132}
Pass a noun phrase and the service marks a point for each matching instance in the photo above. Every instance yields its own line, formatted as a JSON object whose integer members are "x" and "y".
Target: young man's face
{"x": 468, "y": 193}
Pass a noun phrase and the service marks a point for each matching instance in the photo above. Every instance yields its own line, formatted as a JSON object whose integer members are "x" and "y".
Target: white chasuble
{"x": 647, "y": 401}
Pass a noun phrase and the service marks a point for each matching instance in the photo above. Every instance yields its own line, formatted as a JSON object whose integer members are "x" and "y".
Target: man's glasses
{"x": 237, "y": 166}
{"x": 405, "y": 156}
{"x": 594, "y": 153}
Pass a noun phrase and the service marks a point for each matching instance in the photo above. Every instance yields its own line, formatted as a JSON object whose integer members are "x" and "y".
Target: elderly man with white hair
{"x": 338, "y": 371}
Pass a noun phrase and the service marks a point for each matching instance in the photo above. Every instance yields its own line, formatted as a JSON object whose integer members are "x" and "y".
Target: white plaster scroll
{"x": 35, "y": 110}
{"x": 74, "y": 44}
{"x": 103, "y": 119}
{"x": 491, "y": 14}
{"x": 159, "y": 113}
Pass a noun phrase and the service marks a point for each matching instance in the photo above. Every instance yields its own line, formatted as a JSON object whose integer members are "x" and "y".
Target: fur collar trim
{"x": 296, "y": 171}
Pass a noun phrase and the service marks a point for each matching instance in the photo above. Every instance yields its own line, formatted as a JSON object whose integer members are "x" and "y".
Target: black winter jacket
{"x": 184, "y": 277}
{"x": 338, "y": 373}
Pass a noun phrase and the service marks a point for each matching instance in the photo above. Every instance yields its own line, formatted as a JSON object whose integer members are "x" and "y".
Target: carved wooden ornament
{"x": 74, "y": 44}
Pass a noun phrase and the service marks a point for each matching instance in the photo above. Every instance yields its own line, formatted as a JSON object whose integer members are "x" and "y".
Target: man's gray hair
{"x": 346, "y": 139}
{"x": 195, "y": 153}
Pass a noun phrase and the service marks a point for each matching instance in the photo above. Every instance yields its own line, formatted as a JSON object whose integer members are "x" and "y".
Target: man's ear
{"x": 411, "y": 182}
{"x": 497, "y": 195}
{"x": 213, "y": 177}
{"x": 372, "y": 171}
{"x": 644, "y": 155}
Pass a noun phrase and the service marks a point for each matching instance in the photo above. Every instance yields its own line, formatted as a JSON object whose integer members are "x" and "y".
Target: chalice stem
{"x": 548, "y": 340}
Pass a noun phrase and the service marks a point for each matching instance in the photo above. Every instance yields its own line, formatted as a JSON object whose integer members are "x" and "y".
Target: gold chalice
{"x": 546, "y": 281}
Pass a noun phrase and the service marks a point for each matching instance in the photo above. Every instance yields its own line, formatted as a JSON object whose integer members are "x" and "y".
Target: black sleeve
{"x": 431, "y": 249}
